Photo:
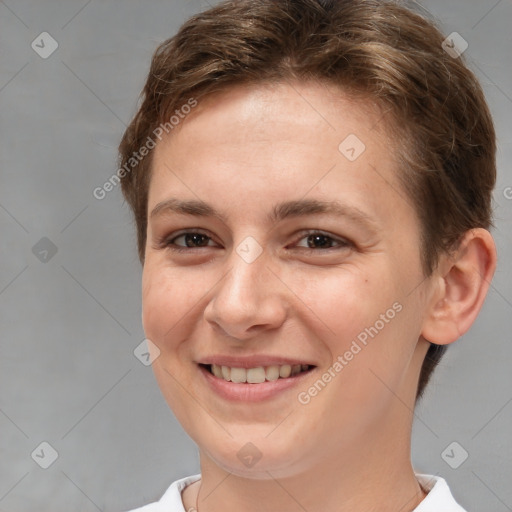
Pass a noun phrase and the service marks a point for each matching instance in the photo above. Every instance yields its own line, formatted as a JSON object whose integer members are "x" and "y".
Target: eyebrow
{"x": 281, "y": 211}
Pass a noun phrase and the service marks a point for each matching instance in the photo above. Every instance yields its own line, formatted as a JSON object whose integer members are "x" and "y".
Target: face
{"x": 276, "y": 239}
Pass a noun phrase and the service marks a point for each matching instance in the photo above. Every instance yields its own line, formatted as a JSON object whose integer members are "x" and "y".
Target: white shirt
{"x": 438, "y": 499}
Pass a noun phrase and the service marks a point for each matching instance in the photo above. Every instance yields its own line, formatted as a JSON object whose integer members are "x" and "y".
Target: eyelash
{"x": 169, "y": 242}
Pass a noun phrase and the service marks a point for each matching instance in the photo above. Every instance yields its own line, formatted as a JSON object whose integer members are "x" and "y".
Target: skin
{"x": 243, "y": 151}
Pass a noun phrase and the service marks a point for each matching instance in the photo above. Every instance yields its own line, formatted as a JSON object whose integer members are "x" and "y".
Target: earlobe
{"x": 461, "y": 283}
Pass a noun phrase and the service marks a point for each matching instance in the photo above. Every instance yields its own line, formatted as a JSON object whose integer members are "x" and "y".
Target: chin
{"x": 261, "y": 459}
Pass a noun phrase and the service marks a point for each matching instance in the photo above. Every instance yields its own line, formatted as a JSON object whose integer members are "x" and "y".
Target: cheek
{"x": 166, "y": 301}
{"x": 368, "y": 323}
{"x": 344, "y": 301}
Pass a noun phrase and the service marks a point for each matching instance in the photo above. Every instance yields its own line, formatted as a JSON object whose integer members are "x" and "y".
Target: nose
{"x": 250, "y": 299}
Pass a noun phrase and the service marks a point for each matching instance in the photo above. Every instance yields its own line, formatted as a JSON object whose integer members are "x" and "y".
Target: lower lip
{"x": 243, "y": 392}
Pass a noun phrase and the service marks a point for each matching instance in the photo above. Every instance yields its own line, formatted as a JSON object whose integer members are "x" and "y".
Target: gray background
{"x": 70, "y": 323}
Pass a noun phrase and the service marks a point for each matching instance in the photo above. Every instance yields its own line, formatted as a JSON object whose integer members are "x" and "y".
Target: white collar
{"x": 438, "y": 499}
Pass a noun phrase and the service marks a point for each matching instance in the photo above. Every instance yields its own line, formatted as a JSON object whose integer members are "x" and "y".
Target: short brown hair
{"x": 381, "y": 50}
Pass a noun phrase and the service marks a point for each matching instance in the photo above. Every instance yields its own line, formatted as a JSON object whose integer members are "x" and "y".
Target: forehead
{"x": 251, "y": 144}
{"x": 315, "y": 107}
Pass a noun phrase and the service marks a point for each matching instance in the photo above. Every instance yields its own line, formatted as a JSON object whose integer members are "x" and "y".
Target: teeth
{"x": 225, "y": 372}
{"x": 217, "y": 371}
{"x": 285, "y": 371}
{"x": 272, "y": 373}
{"x": 295, "y": 369}
{"x": 257, "y": 375}
{"x": 238, "y": 375}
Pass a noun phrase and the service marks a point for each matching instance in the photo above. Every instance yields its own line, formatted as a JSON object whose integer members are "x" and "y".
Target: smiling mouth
{"x": 256, "y": 375}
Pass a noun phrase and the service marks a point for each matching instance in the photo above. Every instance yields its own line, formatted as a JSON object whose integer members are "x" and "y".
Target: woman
{"x": 311, "y": 184}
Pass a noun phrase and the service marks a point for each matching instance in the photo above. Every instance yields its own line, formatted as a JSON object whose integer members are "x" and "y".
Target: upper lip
{"x": 251, "y": 361}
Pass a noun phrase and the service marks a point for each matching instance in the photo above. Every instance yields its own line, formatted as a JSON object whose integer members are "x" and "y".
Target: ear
{"x": 460, "y": 284}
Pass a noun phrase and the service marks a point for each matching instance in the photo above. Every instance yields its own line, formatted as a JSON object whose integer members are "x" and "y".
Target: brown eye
{"x": 318, "y": 240}
{"x": 193, "y": 239}
{"x": 187, "y": 240}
